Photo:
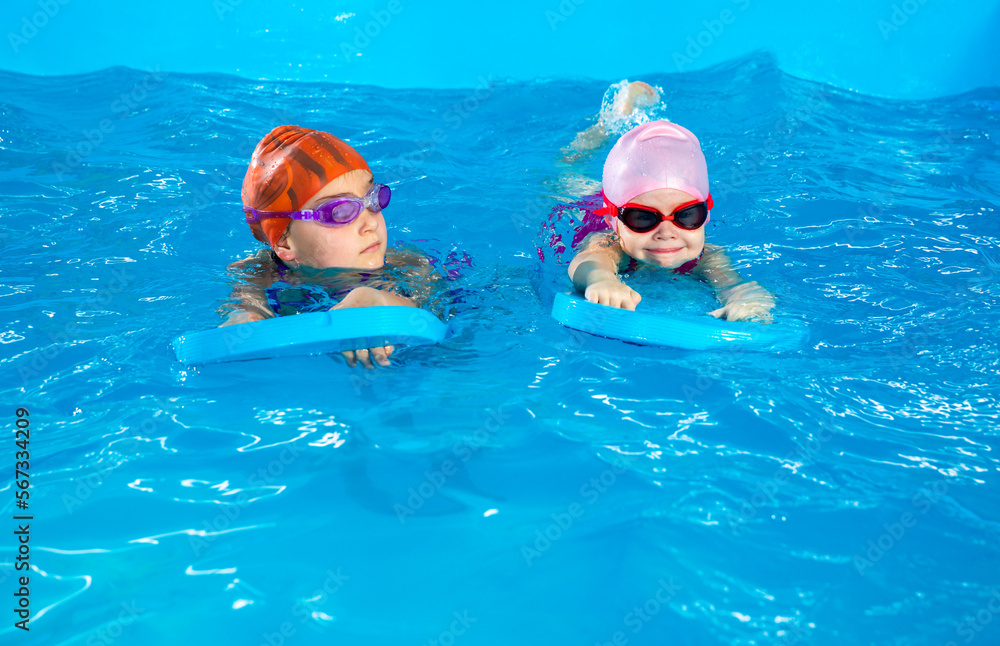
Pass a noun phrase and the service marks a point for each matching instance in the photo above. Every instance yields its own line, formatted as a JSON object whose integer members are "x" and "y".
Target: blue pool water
{"x": 519, "y": 483}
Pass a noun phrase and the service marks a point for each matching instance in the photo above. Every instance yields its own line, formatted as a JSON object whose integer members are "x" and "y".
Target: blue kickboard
{"x": 675, "y": 331}
{"x": 315, "y": 333}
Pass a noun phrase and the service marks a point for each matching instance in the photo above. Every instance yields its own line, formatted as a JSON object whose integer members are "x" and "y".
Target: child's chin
{"x": 370, "y": 262}
{"x": 665, "y": 263}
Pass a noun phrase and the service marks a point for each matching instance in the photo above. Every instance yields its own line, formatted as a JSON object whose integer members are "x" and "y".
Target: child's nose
{"x": 667, "y": 229}
{"x": 367, "y": 220}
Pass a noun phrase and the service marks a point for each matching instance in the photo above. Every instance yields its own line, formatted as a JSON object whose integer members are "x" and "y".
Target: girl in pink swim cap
{"x": 656, "y": 203}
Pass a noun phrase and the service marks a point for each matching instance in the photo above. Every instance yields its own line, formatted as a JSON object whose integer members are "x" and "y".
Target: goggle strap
{"x": 608, "y": 208}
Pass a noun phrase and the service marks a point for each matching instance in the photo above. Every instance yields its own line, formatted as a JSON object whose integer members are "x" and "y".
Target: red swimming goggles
{"x": 643, "y": 219}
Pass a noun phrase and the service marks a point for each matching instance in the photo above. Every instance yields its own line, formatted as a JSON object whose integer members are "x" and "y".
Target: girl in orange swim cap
{"x": 313, "y": 200}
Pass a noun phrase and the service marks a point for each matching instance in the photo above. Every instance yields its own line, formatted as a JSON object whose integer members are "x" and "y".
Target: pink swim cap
{"x": 655, "y": 155}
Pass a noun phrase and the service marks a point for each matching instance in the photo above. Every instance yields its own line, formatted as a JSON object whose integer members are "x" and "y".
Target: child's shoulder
{"x": 407, "y": 254}
{"x": 603, "y": 242}
{"x": 713, "y": 254}
{"x": 716, "y": 266}
{"x": 257, "y": 268}
{"x": 432, "y": 262}
{"x": 599, "y": 240}
{"x": 607, "y": 243}
{"x": 254, "y": 261}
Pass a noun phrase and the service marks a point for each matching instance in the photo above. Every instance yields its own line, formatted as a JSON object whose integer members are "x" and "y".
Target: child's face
{"x": 360, "y": 244}
{"x": 667, "y": 245}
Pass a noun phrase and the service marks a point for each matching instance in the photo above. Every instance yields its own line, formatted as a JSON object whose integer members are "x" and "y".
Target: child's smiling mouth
{"x": 372, "y": 248}
{"x": 666, "y": 250}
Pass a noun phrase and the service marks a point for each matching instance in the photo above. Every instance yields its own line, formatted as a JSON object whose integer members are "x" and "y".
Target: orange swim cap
{"x": 288, "y": 167}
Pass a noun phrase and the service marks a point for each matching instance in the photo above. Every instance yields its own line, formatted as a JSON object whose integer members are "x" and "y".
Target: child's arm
{"x": 252, "y": 306}
{"x": 741, "y": 301}
{"x": 421, "y": 274}
{"x": 639, "y": 95}
{"x": 250, "y": 298}
{"x": 594, "y": 272}
{"x": 370, "y": 297}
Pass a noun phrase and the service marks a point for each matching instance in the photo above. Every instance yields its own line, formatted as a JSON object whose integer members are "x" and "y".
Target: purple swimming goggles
{"x": 338, "y": 212}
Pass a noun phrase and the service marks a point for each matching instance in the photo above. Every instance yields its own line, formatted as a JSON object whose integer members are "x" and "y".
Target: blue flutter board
{"x": 315, "y": 333}
{"x": 687, "y": 332}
